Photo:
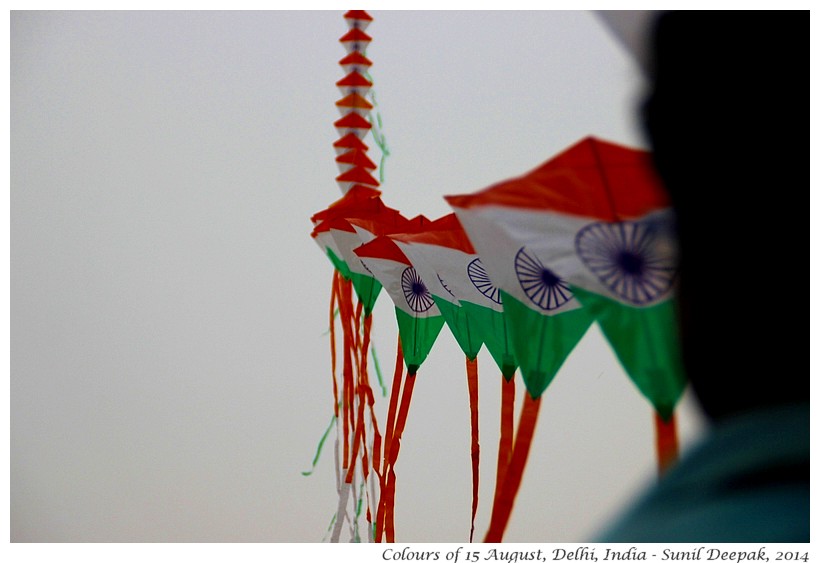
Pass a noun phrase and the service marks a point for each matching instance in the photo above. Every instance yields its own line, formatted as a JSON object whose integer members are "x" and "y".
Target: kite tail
{"x": 401, "y": 420}
{"x": 344, "y": 301}
{"x": 334, "y": 294}
{"x": 395, "y": 392}
{"x": 358, "y": 439}
{"x": 472, "y": 386}
{"x": 366, "y": 391}
{"x": 512, "y": 480}
{"x": 348, "y": 398}
{"x": 666, "y": 442}
{"x": 341, "y": 512}
{"x": 335, "y": 298}
{"x": 358, "y": 341}
{"x": 356, "y": 392}
{"x": 505, "y": 444}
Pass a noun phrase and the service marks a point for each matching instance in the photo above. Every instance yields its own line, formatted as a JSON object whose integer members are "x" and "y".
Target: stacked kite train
{"x": 523, "y": 268}
{"x": 354, "y": 125}
{"x": 354, "y": 234}
{"x": 358, "y": 439}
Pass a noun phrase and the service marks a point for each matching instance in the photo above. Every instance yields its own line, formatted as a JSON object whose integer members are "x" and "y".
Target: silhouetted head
{"x": 728, "y": 117}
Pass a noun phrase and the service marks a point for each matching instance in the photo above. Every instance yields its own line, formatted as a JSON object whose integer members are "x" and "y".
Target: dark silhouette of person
{"x": 726, "y": 118}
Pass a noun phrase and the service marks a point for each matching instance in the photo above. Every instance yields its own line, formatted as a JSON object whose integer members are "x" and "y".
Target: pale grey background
{"x": 169, "y": 376}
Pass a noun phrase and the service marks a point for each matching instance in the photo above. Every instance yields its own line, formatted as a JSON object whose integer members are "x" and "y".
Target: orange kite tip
{"x": 359, "y": 192}
{"x": 446, "y": 222}
{"x": 354, "y": 100}
{"x": 355, "y": 58}
{"x": 356, "y": 158}
{"x": 357, "y": 175}
{"x": 358, "y": 15}
{"x": 340, "y": 224}
{"x": 350, "y": 141}
{"x": 384, "y": 248}
{"x": 591, "y": 178}
{"x": 460, "y": 200}
{"x": 352, "y": 121}
{"x": 444, "y": 231}
{"x": 355, "y": 35}
{"x": 354, "y": 80}
{"x": 418, "y": 223}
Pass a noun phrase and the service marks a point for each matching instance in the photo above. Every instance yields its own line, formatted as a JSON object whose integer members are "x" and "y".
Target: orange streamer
{"x": 401, "y": 420}
{"x": 348, "y": 415}
{"x": 334, "y": 292}
{"x": 472, "y": 387}
{"x": 666, "y": 442}
{"x": 358, "y": 439}
{"x": 395, "y": 392}
{"x": 505, "y": 443}
{"x": 389, "y": 502}
{"x": 512, "y": 480}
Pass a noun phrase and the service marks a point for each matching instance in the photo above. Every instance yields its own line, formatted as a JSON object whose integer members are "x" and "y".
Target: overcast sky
{"x": 169, "y": 374}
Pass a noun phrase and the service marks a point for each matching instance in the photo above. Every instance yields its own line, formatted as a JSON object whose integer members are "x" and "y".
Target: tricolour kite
{"x": 587, "y": 235}
{"x": 419, "y": 323}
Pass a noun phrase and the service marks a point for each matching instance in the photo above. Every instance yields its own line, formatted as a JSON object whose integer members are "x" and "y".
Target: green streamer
{"x": 378, "y": 368}
{"x": 376, "y": 130}
{"x": 356, "y": 537}
{"x": 330, "y": 527}
{"x": 335, "y": 314}
{"x": 319, "y": 448}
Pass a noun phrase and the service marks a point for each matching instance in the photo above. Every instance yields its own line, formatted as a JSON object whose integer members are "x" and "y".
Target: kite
{"x": 471, "y": 306}
{"x": 439, "y": 276}
{"x": 360, "y": 200}
{"x": 523, "y": 267}
{"x": 589, "y": 231}
{"x": 419, "y": 323}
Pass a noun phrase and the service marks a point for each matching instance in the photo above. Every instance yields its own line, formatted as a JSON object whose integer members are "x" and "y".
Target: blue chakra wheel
{"x": 444, "y": 285}
{"x": 627, "y": 259}
{"x": 415, "y": 292}
{"x": 539, "y": 283}
{"x": 482, "y": 282}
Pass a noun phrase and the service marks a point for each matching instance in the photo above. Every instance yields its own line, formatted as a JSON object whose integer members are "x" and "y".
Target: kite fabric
{"x": 523, "y": 267}
{"x": 419, "y": 323}
{"x": 544, "y": 324}
{"x": 354, "y": 414}
{"x": 418, "y": 317}
{"x": 461, "y": 288}
{"x": 596, "y": 219}
{"x": 587, "y": 235}
{"x": 440, "y": 268}
{"x": 472, "y": 308}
